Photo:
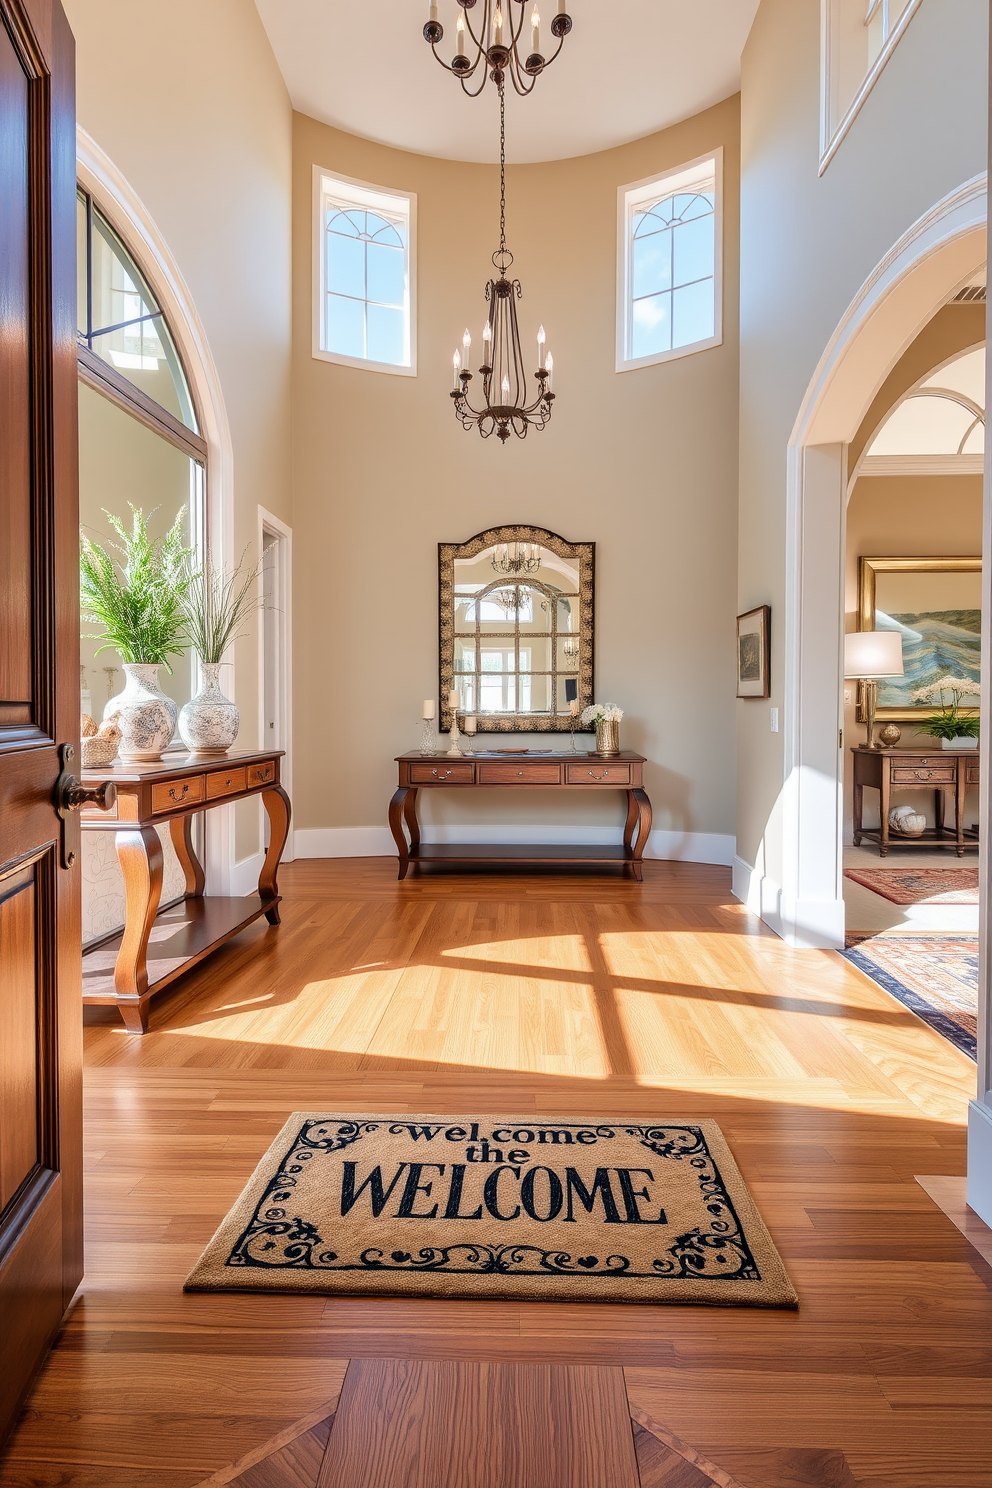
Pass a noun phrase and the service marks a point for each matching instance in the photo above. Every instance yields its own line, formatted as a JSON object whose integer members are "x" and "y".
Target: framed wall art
{"x": 936, "y": 605}
{"x": 754, "y": 653}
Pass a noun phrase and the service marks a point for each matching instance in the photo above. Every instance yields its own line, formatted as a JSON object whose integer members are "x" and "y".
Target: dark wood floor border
{"x": 269, "y": 1448}
{"x": 709, "y": 1470}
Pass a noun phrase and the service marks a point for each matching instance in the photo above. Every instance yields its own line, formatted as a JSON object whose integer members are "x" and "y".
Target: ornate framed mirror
{"x": 516, "y": 628}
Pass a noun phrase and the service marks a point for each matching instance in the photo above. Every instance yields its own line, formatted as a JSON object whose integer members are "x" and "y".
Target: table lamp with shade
{"x": 868, "y": 655}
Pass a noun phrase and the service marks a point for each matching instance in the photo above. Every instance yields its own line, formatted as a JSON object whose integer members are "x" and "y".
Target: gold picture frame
{"x": 870, "y": 571}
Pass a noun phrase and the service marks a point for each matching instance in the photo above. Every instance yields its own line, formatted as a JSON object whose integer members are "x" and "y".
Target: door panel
{"x": 40, "y": 1005}
{"x": 20, "y": 1145}
{"x": 15, "y": 383}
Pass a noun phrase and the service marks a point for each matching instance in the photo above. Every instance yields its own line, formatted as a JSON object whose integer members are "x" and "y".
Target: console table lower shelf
{"x": 157, "y": 945}
{"x": 566, "y": 771}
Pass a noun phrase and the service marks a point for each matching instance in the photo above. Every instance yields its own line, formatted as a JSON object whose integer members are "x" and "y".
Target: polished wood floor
{"x": 560, "y": 994}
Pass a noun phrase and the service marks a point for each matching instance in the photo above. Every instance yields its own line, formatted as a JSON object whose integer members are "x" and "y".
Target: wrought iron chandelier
{"x": 495, "y": 42}
{"x": 504, "y": 380}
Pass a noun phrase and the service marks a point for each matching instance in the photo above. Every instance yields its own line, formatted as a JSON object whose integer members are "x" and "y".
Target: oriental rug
{"x": 919, "y": 885}
{"x": 500, "y": 1207}
{"x": 936, "y": 976}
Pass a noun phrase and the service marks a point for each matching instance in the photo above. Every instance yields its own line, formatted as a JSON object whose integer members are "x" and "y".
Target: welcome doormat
{"x": 501, "y": 1207}
{"x": 919, "y": 885}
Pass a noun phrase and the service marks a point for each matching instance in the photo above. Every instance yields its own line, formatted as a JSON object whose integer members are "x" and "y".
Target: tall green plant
{"x": 216, "y": 605}
{"x": 136, "y": 591}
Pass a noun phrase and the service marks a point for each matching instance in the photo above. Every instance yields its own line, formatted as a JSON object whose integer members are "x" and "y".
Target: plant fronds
{"x": 216, "y": 605}
{"x": 136, "y": 591}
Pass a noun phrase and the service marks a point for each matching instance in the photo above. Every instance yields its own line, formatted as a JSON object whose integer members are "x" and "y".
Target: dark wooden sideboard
{"x": 128, "y": 968}
{"x": 944, "y": 771}
{"x": 505, "y": 770}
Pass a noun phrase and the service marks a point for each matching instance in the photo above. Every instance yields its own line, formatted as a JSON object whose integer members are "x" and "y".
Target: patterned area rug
{"x": 512, "y": 1207}
{"x": 919, "y": 885}
{"x": 934, "y": 975}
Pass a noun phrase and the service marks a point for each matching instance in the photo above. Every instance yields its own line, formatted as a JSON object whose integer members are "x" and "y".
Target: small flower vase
{"x": 145, "y": 715}
{"x": 209, "y": 722}
{"x": 607, "y": 736}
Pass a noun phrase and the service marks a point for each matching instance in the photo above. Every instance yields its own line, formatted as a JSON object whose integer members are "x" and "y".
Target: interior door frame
{"x": 271, "y": 526}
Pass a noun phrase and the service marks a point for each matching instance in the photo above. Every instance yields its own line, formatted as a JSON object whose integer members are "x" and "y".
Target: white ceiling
{"x": 628, "y": 68}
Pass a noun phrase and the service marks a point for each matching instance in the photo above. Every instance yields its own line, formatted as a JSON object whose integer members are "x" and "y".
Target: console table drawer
{"x": 924, "y": 774}
{"x": 172, "y": 793}
{"x": 597, "y": 774}
{"x": 534, "y": 773}
{"x": 225, "y": 783}
{"x": 261, "y": 774}
{"x": 455, "y": 774}
{"x": 972, "y": 776}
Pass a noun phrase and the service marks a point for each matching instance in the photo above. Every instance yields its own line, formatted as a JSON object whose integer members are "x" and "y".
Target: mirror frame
{"x": 521, "y": 723}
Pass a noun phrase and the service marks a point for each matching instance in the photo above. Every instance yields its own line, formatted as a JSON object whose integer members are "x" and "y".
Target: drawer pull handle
{"x": 593, "y": 776}
{"x": 924, "y": 774}
{"x": 441, "y": 775}
{"x": 228, "y": 780}
{"x": 172, "y": 792}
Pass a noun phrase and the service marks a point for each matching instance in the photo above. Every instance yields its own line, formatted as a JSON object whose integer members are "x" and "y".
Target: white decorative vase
{"x": 960, "y": 741}
{"x": 145, "y": 715}
{"x": 209, "y": 723}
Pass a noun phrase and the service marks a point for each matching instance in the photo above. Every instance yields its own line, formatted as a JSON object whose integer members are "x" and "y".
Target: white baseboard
{"x": 807, "y": 924}
{"x": 377, "y": 842}
{"x": 980, "y": 1160}
{"x": 244, "y": 875}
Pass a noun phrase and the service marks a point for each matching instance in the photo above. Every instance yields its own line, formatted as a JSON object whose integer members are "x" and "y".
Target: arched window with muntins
{"x": 668, "y": 279}
{"x": 364, "y": 314}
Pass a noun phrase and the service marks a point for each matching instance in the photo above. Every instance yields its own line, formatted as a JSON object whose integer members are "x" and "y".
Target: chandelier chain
{"x": 502, "y": 168}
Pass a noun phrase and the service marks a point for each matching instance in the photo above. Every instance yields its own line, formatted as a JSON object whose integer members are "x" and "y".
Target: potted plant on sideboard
{"x": 215, "y": 605}
{"x": 954, "y": 729}
{"x": 135, "y": 593}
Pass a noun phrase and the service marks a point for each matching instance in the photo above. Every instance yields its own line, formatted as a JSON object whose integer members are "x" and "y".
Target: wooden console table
{"x": 888, "y": 770}
{"x": 502, "y": 770}
{"x": 116, "y": 970}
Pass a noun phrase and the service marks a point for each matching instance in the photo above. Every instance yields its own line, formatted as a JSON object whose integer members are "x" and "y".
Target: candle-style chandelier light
{"x": 493, "y": 44}
{"x": 516, "y": 558}
{"x": 504, "y": 378}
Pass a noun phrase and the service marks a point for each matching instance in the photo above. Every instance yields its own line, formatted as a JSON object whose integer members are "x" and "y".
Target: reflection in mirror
{"x": 516, "y": 622}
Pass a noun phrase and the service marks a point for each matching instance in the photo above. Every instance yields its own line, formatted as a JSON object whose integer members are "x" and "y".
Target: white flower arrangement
{"x": 948, "y": 723}
{"x": 958, "y": 687}
{"x": 601, "y": 713}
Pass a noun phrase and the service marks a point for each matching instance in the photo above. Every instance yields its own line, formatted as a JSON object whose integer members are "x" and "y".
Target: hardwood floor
{"x": 555, "y": 995}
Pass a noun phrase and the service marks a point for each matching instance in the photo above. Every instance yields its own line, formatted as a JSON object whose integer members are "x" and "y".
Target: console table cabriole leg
{"x": 883, "y": 810}
{"x": 643, "y": 831}
{"x": 277, "y": 808}
{"x": 139, "y": 851}
{"x": 410, "y": 817}
{"x": 182, "y": 841}
{"x": 396, "y": 816}
{"x": 632, "y": 815}
{"x": 959, "y": 794}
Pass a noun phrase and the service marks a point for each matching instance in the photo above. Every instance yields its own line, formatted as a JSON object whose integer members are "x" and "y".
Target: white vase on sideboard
{"x": 145, "y": 715}
{"x": 209, "y": 722}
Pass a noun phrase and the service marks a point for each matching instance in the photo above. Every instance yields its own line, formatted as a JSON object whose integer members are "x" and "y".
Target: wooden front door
{"x": 40, "y": 1005}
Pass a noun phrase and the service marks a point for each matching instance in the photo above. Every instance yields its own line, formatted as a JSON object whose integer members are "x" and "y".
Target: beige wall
{"x": 905, "y": 517}
{"x": 643, "y": 463}
{"x": 188, "y": 102}
{"x": 808, "y": 243}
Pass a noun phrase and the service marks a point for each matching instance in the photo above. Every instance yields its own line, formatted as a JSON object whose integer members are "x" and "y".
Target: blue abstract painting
{"x": 938, "y": 643}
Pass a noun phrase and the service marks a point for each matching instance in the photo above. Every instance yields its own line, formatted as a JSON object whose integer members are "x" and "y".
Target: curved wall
{"x": 644, "y": 463}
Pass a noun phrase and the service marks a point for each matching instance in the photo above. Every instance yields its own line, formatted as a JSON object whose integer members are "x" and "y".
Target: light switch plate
{"x": 773, "y": 720}
{"x": 848, "y": 696}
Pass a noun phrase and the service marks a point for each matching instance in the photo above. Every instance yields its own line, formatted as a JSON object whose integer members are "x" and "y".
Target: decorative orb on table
{"x": 890, "y": 735}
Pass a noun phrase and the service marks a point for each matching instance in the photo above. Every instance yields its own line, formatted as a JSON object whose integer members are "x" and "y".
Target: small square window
{"x": 669, "y": 265}
{"x": 364, "y": 275}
